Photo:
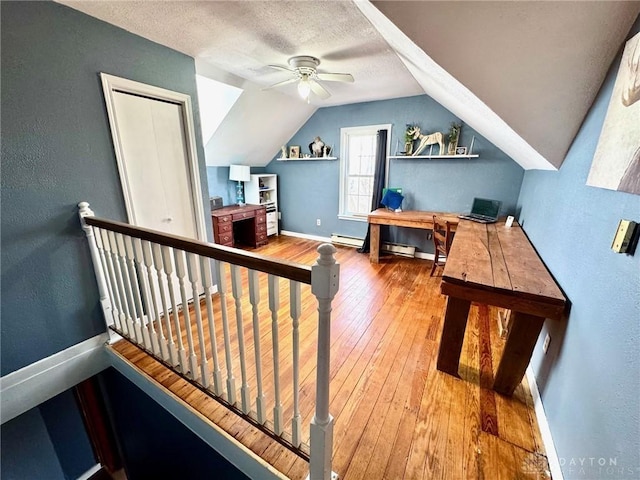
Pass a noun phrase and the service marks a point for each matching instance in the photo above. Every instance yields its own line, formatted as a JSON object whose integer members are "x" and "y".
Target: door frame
{"x": 111, "y": 83}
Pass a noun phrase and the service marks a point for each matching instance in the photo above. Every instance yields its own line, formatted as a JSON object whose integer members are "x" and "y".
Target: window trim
{"x": 344, "y": 152}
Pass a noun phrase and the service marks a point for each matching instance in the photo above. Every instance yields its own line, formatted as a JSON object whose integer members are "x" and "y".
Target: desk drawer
{"x": 222, "y": 219}
{"x": 261, "y": 217}
{"x": 261, "y": 238}
{"x": 243, "y": 215}
{"x": 261, "y": 228}
{"x": 224, "y": 227}
{"x": 225, "y": 239}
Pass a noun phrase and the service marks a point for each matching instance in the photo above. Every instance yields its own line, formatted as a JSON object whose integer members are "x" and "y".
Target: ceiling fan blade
{"x": 279, "y": 84}
{"x": 336, "y": 77}
{"x": 280, "y": 67}
{"x": 319, "y": 90}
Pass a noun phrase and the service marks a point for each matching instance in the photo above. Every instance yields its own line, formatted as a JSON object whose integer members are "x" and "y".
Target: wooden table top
{"x": 409, "y": 218}
{"x": 231, "y": 209}
{"x": 502, "y": 262}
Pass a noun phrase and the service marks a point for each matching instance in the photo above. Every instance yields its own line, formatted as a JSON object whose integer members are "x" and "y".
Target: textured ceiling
{"x": 244, "y": 37}
{"x": 522, "y": 73}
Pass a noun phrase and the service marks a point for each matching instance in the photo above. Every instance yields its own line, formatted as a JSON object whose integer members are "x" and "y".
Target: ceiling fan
{"x": 303, "y": 68}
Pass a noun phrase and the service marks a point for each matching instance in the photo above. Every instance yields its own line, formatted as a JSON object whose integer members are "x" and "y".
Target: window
{"x": 357, "y": 167}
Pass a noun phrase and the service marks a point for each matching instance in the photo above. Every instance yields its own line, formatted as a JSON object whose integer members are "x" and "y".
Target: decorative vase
{"x": 408, "y": 148}
{"x": 452, "y": 147}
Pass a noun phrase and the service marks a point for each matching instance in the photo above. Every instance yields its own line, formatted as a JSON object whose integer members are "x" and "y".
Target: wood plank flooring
{"x": 396, "y": 415}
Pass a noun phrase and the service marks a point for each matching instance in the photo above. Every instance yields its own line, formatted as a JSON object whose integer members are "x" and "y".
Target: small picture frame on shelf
{"x": 461, "y": 150}
{"x": 294, "y": 151}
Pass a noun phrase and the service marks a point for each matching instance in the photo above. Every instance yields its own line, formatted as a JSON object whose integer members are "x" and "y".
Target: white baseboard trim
{"x": 306, "y": 236}
{"x": 90, "y": 473}
{"x": 237, "y": 454}
{"x": 425, "y": 256}
{"x": 28, "y": 387}
{"x": 543, "y": 424}
{"x": 422, "y": 255}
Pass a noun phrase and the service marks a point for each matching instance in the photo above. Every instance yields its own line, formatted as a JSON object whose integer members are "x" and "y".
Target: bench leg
{"x": 455, "y": 323}
{"x": 523, "y": 333}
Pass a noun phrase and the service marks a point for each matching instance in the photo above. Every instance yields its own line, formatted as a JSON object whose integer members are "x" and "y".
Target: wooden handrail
{"x": 281, "y": 268}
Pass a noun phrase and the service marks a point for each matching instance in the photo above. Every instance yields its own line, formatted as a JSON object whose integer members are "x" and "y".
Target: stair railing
{"x": 159, "y": 292}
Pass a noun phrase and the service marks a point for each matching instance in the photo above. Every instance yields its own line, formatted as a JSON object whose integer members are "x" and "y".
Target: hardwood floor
{"x": 396, "y": 416}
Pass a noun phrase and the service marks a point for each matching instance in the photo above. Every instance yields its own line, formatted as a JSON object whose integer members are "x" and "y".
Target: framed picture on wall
{"x": 616, "y": 162}
{"x": 294, "y": 151}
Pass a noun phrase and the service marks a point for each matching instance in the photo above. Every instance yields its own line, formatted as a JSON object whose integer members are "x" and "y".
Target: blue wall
{"x": 153, "y": 443}
{"x": 57, "y": 151}
{"x": 47, "y": 442}
{"x": 590, "y": 378}
{"x": 27, "y": 451}
{"x": 310, "y": 189}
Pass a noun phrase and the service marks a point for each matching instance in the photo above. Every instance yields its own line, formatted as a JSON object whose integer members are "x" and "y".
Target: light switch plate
{"x": 624, "y": 235}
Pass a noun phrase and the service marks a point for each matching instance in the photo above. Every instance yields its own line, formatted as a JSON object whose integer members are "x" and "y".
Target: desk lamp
{"x": 240, "y": 173}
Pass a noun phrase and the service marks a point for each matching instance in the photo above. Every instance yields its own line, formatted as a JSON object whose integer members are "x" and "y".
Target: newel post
{"x": 85, "y": 211}
{"x": 325, "y": 274}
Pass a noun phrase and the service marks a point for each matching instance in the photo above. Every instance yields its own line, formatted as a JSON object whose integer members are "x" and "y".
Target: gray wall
{"x": 590, "y": 377}
{"x": 310, "y": 189}
{"x": 57, "y": 151}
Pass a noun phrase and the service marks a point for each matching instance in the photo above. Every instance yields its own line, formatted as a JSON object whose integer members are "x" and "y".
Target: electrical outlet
{"x": 547, "y": 341}
{"x": 318, "y": 222}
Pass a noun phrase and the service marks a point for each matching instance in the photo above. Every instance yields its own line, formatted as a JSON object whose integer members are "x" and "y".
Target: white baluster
{"x": 124, "y": 304}
{"x": 119, "y": 315}
{"x": 178, "y": 255}
{"x": 222, "y": 291}
{"x": 135, "y": 290}
{"x": 208, "y": 291}
{"x": 85, "y": 211}
{"x": 294, "y": 309}
{"x": 274, "y": 305}
{"x": 159, "y": 265}
{"x": 168, "y": 270}
{"x": 122, "y": 257}
{"x": 236, "y": 288}
{"x": 254, "y": 298}
{"x": 324, "y": 285}
{"x": 148, "y": 326}
{"x": 192, "y": 268}
{"x": 113, "y": 319}
{"x": 158, "y": 342}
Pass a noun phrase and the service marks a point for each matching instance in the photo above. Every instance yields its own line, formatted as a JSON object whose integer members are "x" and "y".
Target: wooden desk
{"x": 496, "y": 265}
{"x": 246, "y": 225}
{"x": 409, "y": 218}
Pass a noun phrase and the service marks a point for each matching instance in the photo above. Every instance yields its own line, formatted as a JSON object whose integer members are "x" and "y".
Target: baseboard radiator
{"x": 395, "y": 248}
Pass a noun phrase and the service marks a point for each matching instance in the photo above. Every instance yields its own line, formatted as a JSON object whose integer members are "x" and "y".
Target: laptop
{"x": 483, "y": 211}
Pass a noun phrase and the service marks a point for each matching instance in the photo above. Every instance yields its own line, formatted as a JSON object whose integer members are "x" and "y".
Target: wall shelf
{"x": 306, "y": 159}
{"x": 433, "y": 157}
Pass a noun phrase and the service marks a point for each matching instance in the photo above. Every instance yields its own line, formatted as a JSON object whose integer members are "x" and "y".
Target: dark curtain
{"x": 378, "y": 184}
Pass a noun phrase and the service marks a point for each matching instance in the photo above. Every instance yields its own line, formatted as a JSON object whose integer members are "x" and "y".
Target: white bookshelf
{"x": 263, "y": 190}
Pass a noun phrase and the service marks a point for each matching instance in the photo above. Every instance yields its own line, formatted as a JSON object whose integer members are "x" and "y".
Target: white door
{"x": 152, "y": 131}
{"x": 153, "y": 144}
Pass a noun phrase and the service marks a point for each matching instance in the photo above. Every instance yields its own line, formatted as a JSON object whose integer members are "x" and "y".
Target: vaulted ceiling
{"x": 523, "y": 74}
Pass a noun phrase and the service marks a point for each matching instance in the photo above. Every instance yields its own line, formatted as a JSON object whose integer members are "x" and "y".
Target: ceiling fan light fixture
{"x": 303, "y": 71}
{"x": 304, "y": 88}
